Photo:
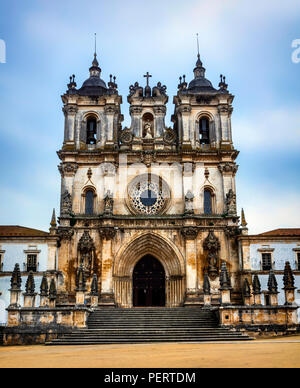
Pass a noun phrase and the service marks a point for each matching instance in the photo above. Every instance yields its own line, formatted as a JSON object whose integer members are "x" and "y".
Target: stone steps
{"x": 149, "y": 325}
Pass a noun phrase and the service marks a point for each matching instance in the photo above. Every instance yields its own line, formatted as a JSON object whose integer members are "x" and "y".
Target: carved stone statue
{"x": 212, "y": 245}
{"x": 189, "y": 203}
{"x": 66, "y": 204}
{"x": 148, "y": 130}
{"x": 86, "y": 250}
{"x": 231, "y": 202}
{"x": 108, "y": 203}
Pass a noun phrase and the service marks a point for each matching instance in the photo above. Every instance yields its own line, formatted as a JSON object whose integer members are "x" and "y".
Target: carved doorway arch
{"x": 162, "y": 249}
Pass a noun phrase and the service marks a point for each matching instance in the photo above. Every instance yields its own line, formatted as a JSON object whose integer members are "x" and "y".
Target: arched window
{"x": 89, "y": 202}
{"x": 208, "y": 202}
{"x": 204, "y": 130}
{"x": 91, "y": 130}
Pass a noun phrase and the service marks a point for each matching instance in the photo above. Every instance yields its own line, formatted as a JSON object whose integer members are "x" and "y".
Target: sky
{"x": 46, "y": 42}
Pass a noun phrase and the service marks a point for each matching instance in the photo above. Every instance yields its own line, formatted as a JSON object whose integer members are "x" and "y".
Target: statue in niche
{"x": 66, "y": 204}
{"x": 86, "y": 250}
{"x": 148, "y": 130}
{"x": 231, "y": 202}
{"x": 189, "y": 203}
{"x": 108, "y": 203}
{"x": 212, "y": 245}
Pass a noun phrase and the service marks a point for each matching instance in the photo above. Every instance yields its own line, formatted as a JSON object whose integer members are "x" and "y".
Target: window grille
{"x": 266, "y": 261}
{"x": 31, "y": 263}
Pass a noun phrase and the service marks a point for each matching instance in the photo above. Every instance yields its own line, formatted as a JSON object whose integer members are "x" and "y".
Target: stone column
{"x": 190, "y": 234}
{"x": 70, "y": 115}
{"x": 185, "y": 117}
{"x": 224, "y": 112}
{"x": 107, "y": 295}
{"x": 110, "y": 113}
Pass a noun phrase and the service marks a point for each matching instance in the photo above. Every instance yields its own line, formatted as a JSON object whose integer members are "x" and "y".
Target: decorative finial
{"x": 53, "y": 220}
{"x": 44, "y": 286}
{"x": 288, "y": 277}
{"x": 30, "y": 286}
{"x": 246, "y": 288}
{"x": 272, "y": 283}
{"x": 256, "y": 285}
{"x": 198, "y": 45}
{"x": 95, "y": 44}
{"x": 16, "y": 279}
{"x": 52, "y": 290}
{"x": 243, "y": 219}
{"x": 225, "y": 281}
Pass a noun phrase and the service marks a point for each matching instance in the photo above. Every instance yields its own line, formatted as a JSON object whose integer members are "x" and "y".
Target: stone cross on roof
{"x": 147, "y": 76}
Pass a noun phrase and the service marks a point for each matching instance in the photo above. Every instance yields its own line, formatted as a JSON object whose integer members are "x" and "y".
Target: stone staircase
{"x": 149, "y": 325}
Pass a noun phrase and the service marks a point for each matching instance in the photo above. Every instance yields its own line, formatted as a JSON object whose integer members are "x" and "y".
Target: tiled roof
{"x": 20, "y": 231}
{"x": 290, "y": 232}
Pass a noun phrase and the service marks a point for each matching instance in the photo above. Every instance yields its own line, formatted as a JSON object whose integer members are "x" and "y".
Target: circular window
{"x": 148, "y": 194}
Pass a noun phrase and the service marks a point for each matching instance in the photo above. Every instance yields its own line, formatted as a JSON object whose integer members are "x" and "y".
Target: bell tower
{"x": 202, "y": 115}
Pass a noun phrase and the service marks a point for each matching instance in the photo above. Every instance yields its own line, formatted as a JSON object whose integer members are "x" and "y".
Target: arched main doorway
{"x": 149, "y": 283}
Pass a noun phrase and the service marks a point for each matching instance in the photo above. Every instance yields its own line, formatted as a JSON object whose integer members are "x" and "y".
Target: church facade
{"x": 149, "y": 209}
{"x": 148, "y": 218}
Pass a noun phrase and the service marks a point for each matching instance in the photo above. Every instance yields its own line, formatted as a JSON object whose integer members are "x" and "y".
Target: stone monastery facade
{"x": 148, "y": 215}
{"x": 148, "y": 190}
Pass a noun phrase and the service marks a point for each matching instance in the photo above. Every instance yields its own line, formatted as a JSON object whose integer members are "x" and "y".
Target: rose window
{"x": 148, "y": 196}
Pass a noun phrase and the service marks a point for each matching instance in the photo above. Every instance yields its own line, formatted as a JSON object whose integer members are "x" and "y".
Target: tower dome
{"x": 94, "y": 85}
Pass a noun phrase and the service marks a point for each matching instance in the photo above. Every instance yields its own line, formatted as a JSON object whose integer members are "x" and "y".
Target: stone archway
{"x": 162, "y": 249}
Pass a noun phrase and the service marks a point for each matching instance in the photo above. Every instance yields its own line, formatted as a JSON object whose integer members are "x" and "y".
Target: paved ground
{"x": 278, "y": 352}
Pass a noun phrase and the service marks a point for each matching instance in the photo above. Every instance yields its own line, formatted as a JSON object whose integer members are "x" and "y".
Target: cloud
{"x": 268, "y": 210}
{"x": 277, "y": 129}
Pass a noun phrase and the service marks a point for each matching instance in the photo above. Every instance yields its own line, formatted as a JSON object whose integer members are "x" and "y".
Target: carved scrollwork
{"x": 70, "y": 110}
{"x": 68, "y": 169}
{"x": 148, "y": 157}
{"x": 228, "y": 168}
{"x": 65, "y": 233}
{"x": 190, "y": 232}
{"x": 126, "y": 136}
{"x": 169, "y": 136}
{"x": 107, "y": 233}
